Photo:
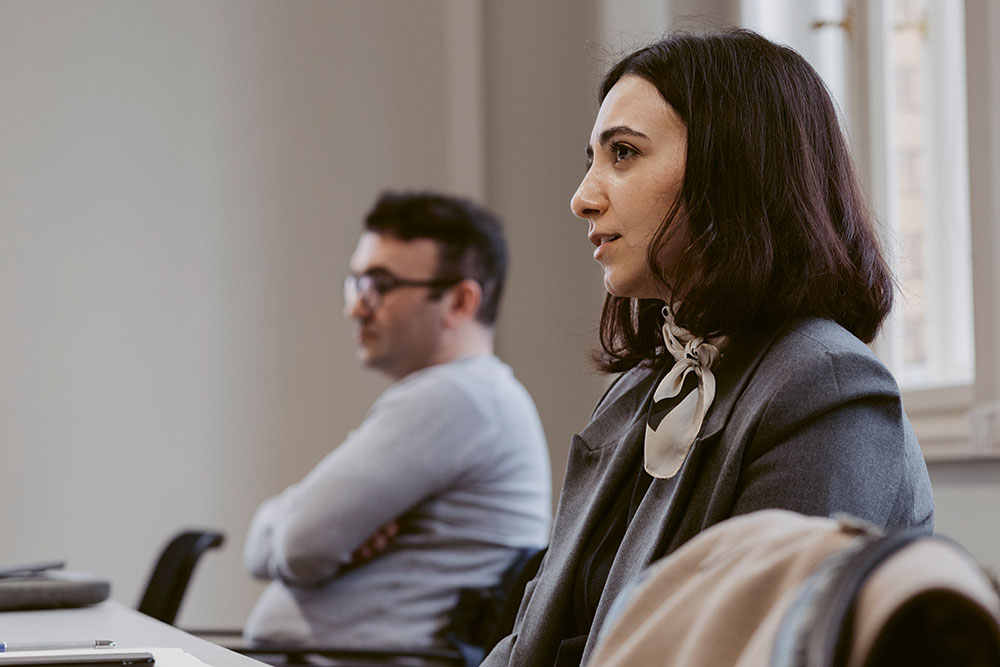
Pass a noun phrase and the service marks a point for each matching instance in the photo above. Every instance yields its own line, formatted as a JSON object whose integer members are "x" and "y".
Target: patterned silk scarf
{"x": 682, "y": 398}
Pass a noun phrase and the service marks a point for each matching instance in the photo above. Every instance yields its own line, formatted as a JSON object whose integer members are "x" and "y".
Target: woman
{"x": 744, "y": 278}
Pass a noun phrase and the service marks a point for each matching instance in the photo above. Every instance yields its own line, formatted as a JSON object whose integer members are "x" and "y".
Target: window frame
{"x": 982, "y": 436}
{"x": 962, "y": 422}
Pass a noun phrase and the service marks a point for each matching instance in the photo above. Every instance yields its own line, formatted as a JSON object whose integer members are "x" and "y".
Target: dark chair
{"x": 485, "y": 616}
{"x": 482, "y": 617}
{"x": 170, "y": 577}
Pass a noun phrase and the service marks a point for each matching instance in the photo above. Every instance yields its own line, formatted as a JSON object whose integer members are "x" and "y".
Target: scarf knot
{"x": 675, "y": 415}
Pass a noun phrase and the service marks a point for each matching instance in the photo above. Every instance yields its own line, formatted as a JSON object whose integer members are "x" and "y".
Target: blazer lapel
{"x": 600, "y": 459}
{"x": 734, "y": 372}
{"x": 599, "y": 462}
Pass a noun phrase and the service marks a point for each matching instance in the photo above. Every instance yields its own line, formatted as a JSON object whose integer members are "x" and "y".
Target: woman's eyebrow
{"x": 612, "y": 132}
{"x": 607, "y": 134}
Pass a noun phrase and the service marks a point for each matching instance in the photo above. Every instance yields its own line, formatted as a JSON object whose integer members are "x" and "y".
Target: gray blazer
{"x": 807, "y": 419}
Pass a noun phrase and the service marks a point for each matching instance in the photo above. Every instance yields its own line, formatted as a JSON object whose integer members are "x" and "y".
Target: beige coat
{"x": 721, "y": 598}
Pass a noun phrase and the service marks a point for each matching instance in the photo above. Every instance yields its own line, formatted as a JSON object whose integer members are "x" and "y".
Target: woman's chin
{"x": 612, "y": 289}
{"x": 630, "y": 291}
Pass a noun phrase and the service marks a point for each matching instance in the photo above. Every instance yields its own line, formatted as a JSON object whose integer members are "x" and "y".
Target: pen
{"x": 52, "y": 646}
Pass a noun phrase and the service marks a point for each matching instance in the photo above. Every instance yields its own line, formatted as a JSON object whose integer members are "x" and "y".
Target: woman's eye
{"x": 622, "y": 152}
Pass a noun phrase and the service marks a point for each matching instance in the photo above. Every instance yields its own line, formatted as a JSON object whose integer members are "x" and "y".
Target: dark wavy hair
{"x": 469, "y": 237}
{"x": 778, "y": 227}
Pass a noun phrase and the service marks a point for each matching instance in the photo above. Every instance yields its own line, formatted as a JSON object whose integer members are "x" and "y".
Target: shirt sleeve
{"x": 413, "y": 444}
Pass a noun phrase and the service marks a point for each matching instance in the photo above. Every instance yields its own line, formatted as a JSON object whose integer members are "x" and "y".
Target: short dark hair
{"x": 778, "y": 227}
{"x": 470, "y": 238}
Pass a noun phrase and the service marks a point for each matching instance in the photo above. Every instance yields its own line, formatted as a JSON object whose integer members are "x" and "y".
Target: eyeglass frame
{"x": 354, "y": 290}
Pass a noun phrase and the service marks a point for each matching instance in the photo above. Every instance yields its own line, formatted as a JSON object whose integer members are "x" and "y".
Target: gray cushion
{"x": 52, "y": 590}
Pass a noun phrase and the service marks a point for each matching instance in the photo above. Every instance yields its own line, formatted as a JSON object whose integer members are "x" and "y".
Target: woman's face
{"x": 635, "y": 171}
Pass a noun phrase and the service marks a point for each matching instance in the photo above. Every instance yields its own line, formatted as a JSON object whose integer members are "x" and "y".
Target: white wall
{"x": 966, "y": 500}
{"x": 541, "y": 101}
{"x": 182, "y": 183}
{"x": 967, "y": 493}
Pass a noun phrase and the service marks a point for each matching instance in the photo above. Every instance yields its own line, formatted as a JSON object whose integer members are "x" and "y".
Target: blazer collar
{"x": 731, "y": 377}
{"x": 628, "y": 395}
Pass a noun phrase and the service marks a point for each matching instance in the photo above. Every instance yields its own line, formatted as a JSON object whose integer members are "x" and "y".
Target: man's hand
{"x": 376, "y": 544}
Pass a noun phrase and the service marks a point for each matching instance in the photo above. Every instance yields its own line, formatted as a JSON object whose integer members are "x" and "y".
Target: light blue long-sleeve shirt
{"x": 454, "y": 452}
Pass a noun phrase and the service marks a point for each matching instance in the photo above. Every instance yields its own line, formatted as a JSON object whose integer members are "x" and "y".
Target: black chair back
{"x": 169, "y": 580}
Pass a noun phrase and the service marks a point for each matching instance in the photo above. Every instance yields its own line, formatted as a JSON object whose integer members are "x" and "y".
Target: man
{"x": 449, "y": 473}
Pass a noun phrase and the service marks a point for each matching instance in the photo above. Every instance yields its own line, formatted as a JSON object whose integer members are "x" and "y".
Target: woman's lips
{"x": 601, "y": 240}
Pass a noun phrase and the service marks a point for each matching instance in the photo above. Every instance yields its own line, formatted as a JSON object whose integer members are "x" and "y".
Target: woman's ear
{"x": 466, "y": 297}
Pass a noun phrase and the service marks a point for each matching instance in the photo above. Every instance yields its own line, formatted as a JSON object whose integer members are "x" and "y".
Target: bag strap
{"x": 836, "y": 618}
{"x": 816, "y": 629}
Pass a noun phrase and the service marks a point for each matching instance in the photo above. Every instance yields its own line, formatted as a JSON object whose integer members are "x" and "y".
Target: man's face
{"x": 402, "y": 332}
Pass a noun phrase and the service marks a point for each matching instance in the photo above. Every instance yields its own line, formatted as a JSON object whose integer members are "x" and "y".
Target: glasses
{"x": 370, "y": 288}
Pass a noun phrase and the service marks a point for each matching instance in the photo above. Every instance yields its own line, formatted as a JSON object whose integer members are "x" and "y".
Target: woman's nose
{"x": 589, "y": 200}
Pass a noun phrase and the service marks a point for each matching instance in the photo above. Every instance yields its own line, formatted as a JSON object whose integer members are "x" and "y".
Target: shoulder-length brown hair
{"x": 777, "y": 223}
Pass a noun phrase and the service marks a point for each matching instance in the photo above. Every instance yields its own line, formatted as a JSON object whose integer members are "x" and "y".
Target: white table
{"x": 117, "y": 622}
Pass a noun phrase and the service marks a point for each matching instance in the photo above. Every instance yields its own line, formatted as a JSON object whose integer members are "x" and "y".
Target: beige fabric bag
{"x": 777, "y": 589}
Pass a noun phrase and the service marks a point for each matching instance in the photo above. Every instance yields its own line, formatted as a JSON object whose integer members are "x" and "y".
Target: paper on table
{"x": 175, "y": 657}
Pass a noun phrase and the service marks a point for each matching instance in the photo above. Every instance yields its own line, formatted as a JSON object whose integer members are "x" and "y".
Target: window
{"x": 897, "y": 69}
{"x": 928, "y": 194}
